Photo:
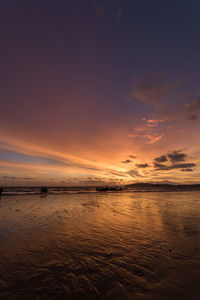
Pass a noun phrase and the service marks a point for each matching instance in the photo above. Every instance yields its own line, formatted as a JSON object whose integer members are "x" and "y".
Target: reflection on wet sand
{"x": 100, "y": 246}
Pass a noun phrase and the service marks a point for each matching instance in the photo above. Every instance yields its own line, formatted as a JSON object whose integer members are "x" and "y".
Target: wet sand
{"x": 100, "y": 246}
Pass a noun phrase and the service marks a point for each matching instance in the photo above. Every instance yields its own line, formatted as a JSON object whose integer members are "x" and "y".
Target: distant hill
{"x": 162, "y": 187}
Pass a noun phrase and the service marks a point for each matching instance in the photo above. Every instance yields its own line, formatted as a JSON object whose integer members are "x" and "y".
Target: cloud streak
{"x": 161, "y": 167}
{"x": 127, "y": 161}
{"x": 134, "y": 173}
{"x": 150, "y": 131}
{"x": 142, "y": 165}
{"x": 177, "y": 156}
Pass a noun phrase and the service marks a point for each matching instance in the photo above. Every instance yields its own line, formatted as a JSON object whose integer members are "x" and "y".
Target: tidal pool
{"x": 100, "y": 246}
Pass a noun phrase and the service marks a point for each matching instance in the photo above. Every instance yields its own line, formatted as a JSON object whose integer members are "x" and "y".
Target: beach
{"x": 100, "y": 246}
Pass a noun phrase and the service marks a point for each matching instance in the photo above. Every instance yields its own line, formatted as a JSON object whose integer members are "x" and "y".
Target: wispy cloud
{"x": 118, "y": 10}
{"x": 134, "y": 173}
{"x": 150, "y": 131}
{"x": 49, "y": 164}
{"x": 132, "y": 156}
{"x": 127, "y": 161}
{"x": 142, "y": 165}
{"x": 152, "y": 89}
{"x": 14, "y": 178}
{"x": 194, "y": 106}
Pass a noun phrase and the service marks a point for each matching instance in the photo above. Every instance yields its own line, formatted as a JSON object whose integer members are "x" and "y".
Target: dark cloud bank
{"x": 176, "y": 159}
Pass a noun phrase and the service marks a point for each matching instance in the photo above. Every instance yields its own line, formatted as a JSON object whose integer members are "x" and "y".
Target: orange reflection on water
{"x": 100, "y": 245}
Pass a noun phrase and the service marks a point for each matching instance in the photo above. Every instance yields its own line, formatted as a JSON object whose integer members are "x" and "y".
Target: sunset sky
{"x": 99, "y": 91}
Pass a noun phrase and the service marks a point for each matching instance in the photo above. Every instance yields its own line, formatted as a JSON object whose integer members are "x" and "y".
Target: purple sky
{"x": 99, "y": 91}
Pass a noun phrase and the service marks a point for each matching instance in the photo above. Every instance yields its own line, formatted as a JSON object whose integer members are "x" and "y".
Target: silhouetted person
{"x": 1, "y": 192}
{"x": 44, "y": 190}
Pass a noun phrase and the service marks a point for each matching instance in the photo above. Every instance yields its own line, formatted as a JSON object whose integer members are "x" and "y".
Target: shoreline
{"x": 97, "y": 192}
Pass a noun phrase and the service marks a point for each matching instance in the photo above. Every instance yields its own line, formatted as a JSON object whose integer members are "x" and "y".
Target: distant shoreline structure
{"x": 136, "y": 187}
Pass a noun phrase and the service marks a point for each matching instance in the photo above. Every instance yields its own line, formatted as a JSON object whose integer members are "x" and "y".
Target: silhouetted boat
{"x": 107, "y": 188}
{"x": 44, "y": 190}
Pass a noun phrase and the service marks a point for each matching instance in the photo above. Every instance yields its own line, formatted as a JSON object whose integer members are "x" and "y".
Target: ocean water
{"x": 100, "y": 246}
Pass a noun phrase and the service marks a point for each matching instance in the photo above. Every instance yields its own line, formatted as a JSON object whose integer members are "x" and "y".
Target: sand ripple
{"x": 90, "y": 246}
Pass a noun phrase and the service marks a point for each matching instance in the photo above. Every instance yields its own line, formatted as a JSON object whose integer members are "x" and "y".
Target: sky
{"x": 97, "y": 92}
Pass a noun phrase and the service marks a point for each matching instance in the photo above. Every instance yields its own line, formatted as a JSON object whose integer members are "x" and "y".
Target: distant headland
{"x": 162, "y": 187}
